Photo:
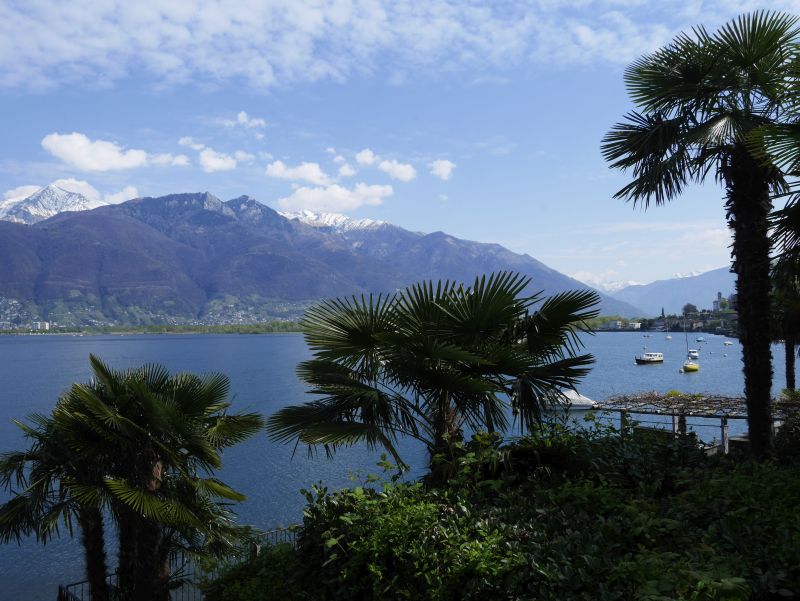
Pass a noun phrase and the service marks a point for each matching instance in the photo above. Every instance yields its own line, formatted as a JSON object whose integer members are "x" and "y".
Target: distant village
{"x": 722, "y": 318}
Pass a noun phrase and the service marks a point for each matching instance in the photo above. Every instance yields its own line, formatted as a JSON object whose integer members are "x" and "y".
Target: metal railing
{"x": 183, "y": 571}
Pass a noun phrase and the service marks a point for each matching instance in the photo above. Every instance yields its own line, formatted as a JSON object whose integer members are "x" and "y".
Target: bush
{"x": 561, "y": 515}
{"x": 787, "y": 440}
{"x": 269, "y": 576}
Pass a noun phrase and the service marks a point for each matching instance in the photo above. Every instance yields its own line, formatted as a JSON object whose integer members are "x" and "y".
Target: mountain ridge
{"x": 673, "y": 293}
{"x": 184, "y": 256}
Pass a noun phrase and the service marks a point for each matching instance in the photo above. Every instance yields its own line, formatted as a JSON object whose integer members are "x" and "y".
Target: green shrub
{"x": 561, "y": 515}
{"x": 787, "y": 440}
{"x": 269, "y": 576}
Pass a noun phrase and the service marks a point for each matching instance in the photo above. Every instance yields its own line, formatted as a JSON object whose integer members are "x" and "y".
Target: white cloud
{"x": 244, "y": 157}
{"x": 401, "y": 171}
{"x": 188, "y": 141}
{"x": 309, "y": 172}
{"x": 211, "y": 160}
{"x": 265, "y": 44}
{"x": 339, "y": 159}
{"x": 346, "y": 170}
{"x": 174, "y": 160}
{"x": 442, "y": 168}
{"x": 19, "y": 193}
{"x": 126, "y": 193}
{"x": 245, "y": 121}
{"x": 79, "y": 151}
{"x": 366, "y": 157}
{"x": 335, "y": 198}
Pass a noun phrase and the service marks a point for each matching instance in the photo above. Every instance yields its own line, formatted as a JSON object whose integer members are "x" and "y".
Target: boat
{"x": 577, "y": 401}
{"x": 689, "y": 365}
{"x": 648, "y": 358}
{"x": 700, "y": 339}
{"x": 727, "y": 343}
{"x": 669, "y": 337}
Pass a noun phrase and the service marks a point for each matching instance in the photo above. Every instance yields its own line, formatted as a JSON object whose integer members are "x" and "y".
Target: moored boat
{"x": 690, "y": 366}
{"x": 693, "y": 354}
{"x": 648, "y": 358}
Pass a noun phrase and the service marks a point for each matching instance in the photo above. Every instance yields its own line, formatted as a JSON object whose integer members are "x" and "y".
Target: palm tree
{"x": 44, "y": 499}
{"x": 155, "y": 435}
{"x": 140, "y": 444}
{"x": 706, "y": 100}
{"x": 786, "y": 315}
{"x": 785, "y": 227}
{"x": 433, "y": 359}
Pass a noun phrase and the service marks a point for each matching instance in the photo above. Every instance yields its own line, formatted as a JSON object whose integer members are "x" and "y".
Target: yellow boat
{"x": 690, "y": 366}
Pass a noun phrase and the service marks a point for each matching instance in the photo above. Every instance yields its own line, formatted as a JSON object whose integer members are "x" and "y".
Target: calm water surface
{"x": 35, "y": 369}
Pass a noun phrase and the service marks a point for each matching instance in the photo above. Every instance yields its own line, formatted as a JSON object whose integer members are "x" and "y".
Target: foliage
{"x": 269, "y": 575}
{"x": 689, "y": 309}
{"x": 560, "y": 514}
{"x": 433, "y": 360}
{"x": 787, "y": 440}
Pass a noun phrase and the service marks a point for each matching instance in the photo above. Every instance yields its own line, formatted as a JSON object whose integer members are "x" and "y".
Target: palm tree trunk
{"x": 788, "y": 354}
{"x": 748, "y": 205}
{"x": 146, "y": 576}
{"x": 93, "y": 539}
{"x": 128, "y": 551}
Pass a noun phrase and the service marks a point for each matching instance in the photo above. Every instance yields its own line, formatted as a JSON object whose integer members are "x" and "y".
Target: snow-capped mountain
{"x": 334, "y": 221}
{"x": 45, "y": 203}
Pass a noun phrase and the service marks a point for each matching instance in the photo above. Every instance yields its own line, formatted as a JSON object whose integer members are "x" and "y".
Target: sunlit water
{"x": 35, "y": 369}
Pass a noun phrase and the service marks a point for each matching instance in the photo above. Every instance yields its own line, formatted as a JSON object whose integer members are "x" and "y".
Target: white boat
{"x": 669, "y": 337}
{"x": 727, "y": 343}
{"x": 648, "y": 358}
{"x": 577, "y": 400}
{"x": 693, "y": 354}
{"x": 700, "y": 339}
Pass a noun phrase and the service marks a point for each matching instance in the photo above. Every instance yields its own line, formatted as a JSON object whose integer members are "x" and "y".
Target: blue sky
{"x": 481, "y": 119}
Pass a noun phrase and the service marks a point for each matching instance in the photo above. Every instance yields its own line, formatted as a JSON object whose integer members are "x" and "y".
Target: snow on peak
{"x": 45, "y": 203}
{"x": 335, "y": 221}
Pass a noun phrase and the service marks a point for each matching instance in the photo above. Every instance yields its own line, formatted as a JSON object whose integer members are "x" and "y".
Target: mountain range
{"x": 672, "y": 294}
{"x": 194, "y": 257}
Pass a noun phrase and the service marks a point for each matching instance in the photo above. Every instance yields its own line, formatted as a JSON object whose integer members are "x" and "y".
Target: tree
{"x": 689, "y": 309}
{"x": 433, "y": 359}
{"x": 786, "y": 276}
{"x": 705, "y": 101}
{"x": 786, "y": 311}
{"x": 143, "y": 444}
{"x": 44, "y": 499}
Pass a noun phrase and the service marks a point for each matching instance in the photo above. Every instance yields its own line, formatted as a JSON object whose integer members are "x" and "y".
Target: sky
{"x": 480, "y": 119}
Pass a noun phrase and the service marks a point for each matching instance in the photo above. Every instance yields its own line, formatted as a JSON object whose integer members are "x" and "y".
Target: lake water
{"x": 35, "y": 369}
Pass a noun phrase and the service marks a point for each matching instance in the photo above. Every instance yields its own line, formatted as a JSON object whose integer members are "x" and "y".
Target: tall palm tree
{"x": 705, "y": 100}
{"x": 156, "y": 436}
{"x": 433, "y": 359}
{"x": 785, "y": 227}
{"x": 44, "y": 501}
{"x": 140, "y": 444}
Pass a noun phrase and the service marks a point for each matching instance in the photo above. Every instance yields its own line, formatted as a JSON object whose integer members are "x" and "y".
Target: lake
{"x": 35, "y": 369}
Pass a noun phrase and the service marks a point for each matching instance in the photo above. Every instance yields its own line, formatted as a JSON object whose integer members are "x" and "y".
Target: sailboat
{"x": 689, "y": 365}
